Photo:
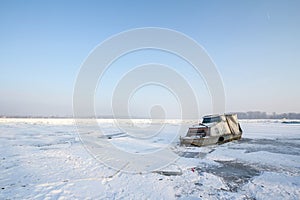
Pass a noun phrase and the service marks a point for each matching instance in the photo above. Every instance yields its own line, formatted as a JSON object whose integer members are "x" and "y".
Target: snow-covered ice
{"x": 45, "y": 159}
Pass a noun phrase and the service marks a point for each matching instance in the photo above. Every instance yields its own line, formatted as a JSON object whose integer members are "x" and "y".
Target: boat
{"x": 214, "y": 129}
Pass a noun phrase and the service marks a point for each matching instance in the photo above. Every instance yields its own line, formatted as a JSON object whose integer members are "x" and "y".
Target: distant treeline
{"x": 264, "y": 115}
{"x": 241, "y": 115}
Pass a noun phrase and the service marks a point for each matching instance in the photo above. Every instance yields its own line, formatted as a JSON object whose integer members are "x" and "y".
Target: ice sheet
{"x": 44, "y": 159}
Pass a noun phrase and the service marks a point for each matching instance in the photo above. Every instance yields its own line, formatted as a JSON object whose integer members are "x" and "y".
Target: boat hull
{"x": 209, "y": 140}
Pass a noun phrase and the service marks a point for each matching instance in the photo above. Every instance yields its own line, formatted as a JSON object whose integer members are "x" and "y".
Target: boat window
{"x": 211, "y": 119}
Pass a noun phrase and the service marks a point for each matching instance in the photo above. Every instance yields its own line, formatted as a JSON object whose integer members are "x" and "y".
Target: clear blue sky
{"x": 254, "y": 44}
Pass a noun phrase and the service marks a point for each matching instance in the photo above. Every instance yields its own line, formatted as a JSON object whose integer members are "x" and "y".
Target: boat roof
{"x": 218, "y": 115}
{"x": 211, "y": 116}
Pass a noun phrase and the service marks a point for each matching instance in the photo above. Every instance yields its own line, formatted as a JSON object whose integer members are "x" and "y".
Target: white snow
{"x": 275, "y": 186}
{"x": 45, "y": 159}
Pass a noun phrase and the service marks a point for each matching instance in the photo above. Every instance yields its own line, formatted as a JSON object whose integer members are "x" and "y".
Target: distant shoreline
{"x": 241, "y": 115}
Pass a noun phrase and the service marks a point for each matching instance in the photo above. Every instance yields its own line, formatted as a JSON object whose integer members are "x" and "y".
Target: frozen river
{"x": 45, "y": 159}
